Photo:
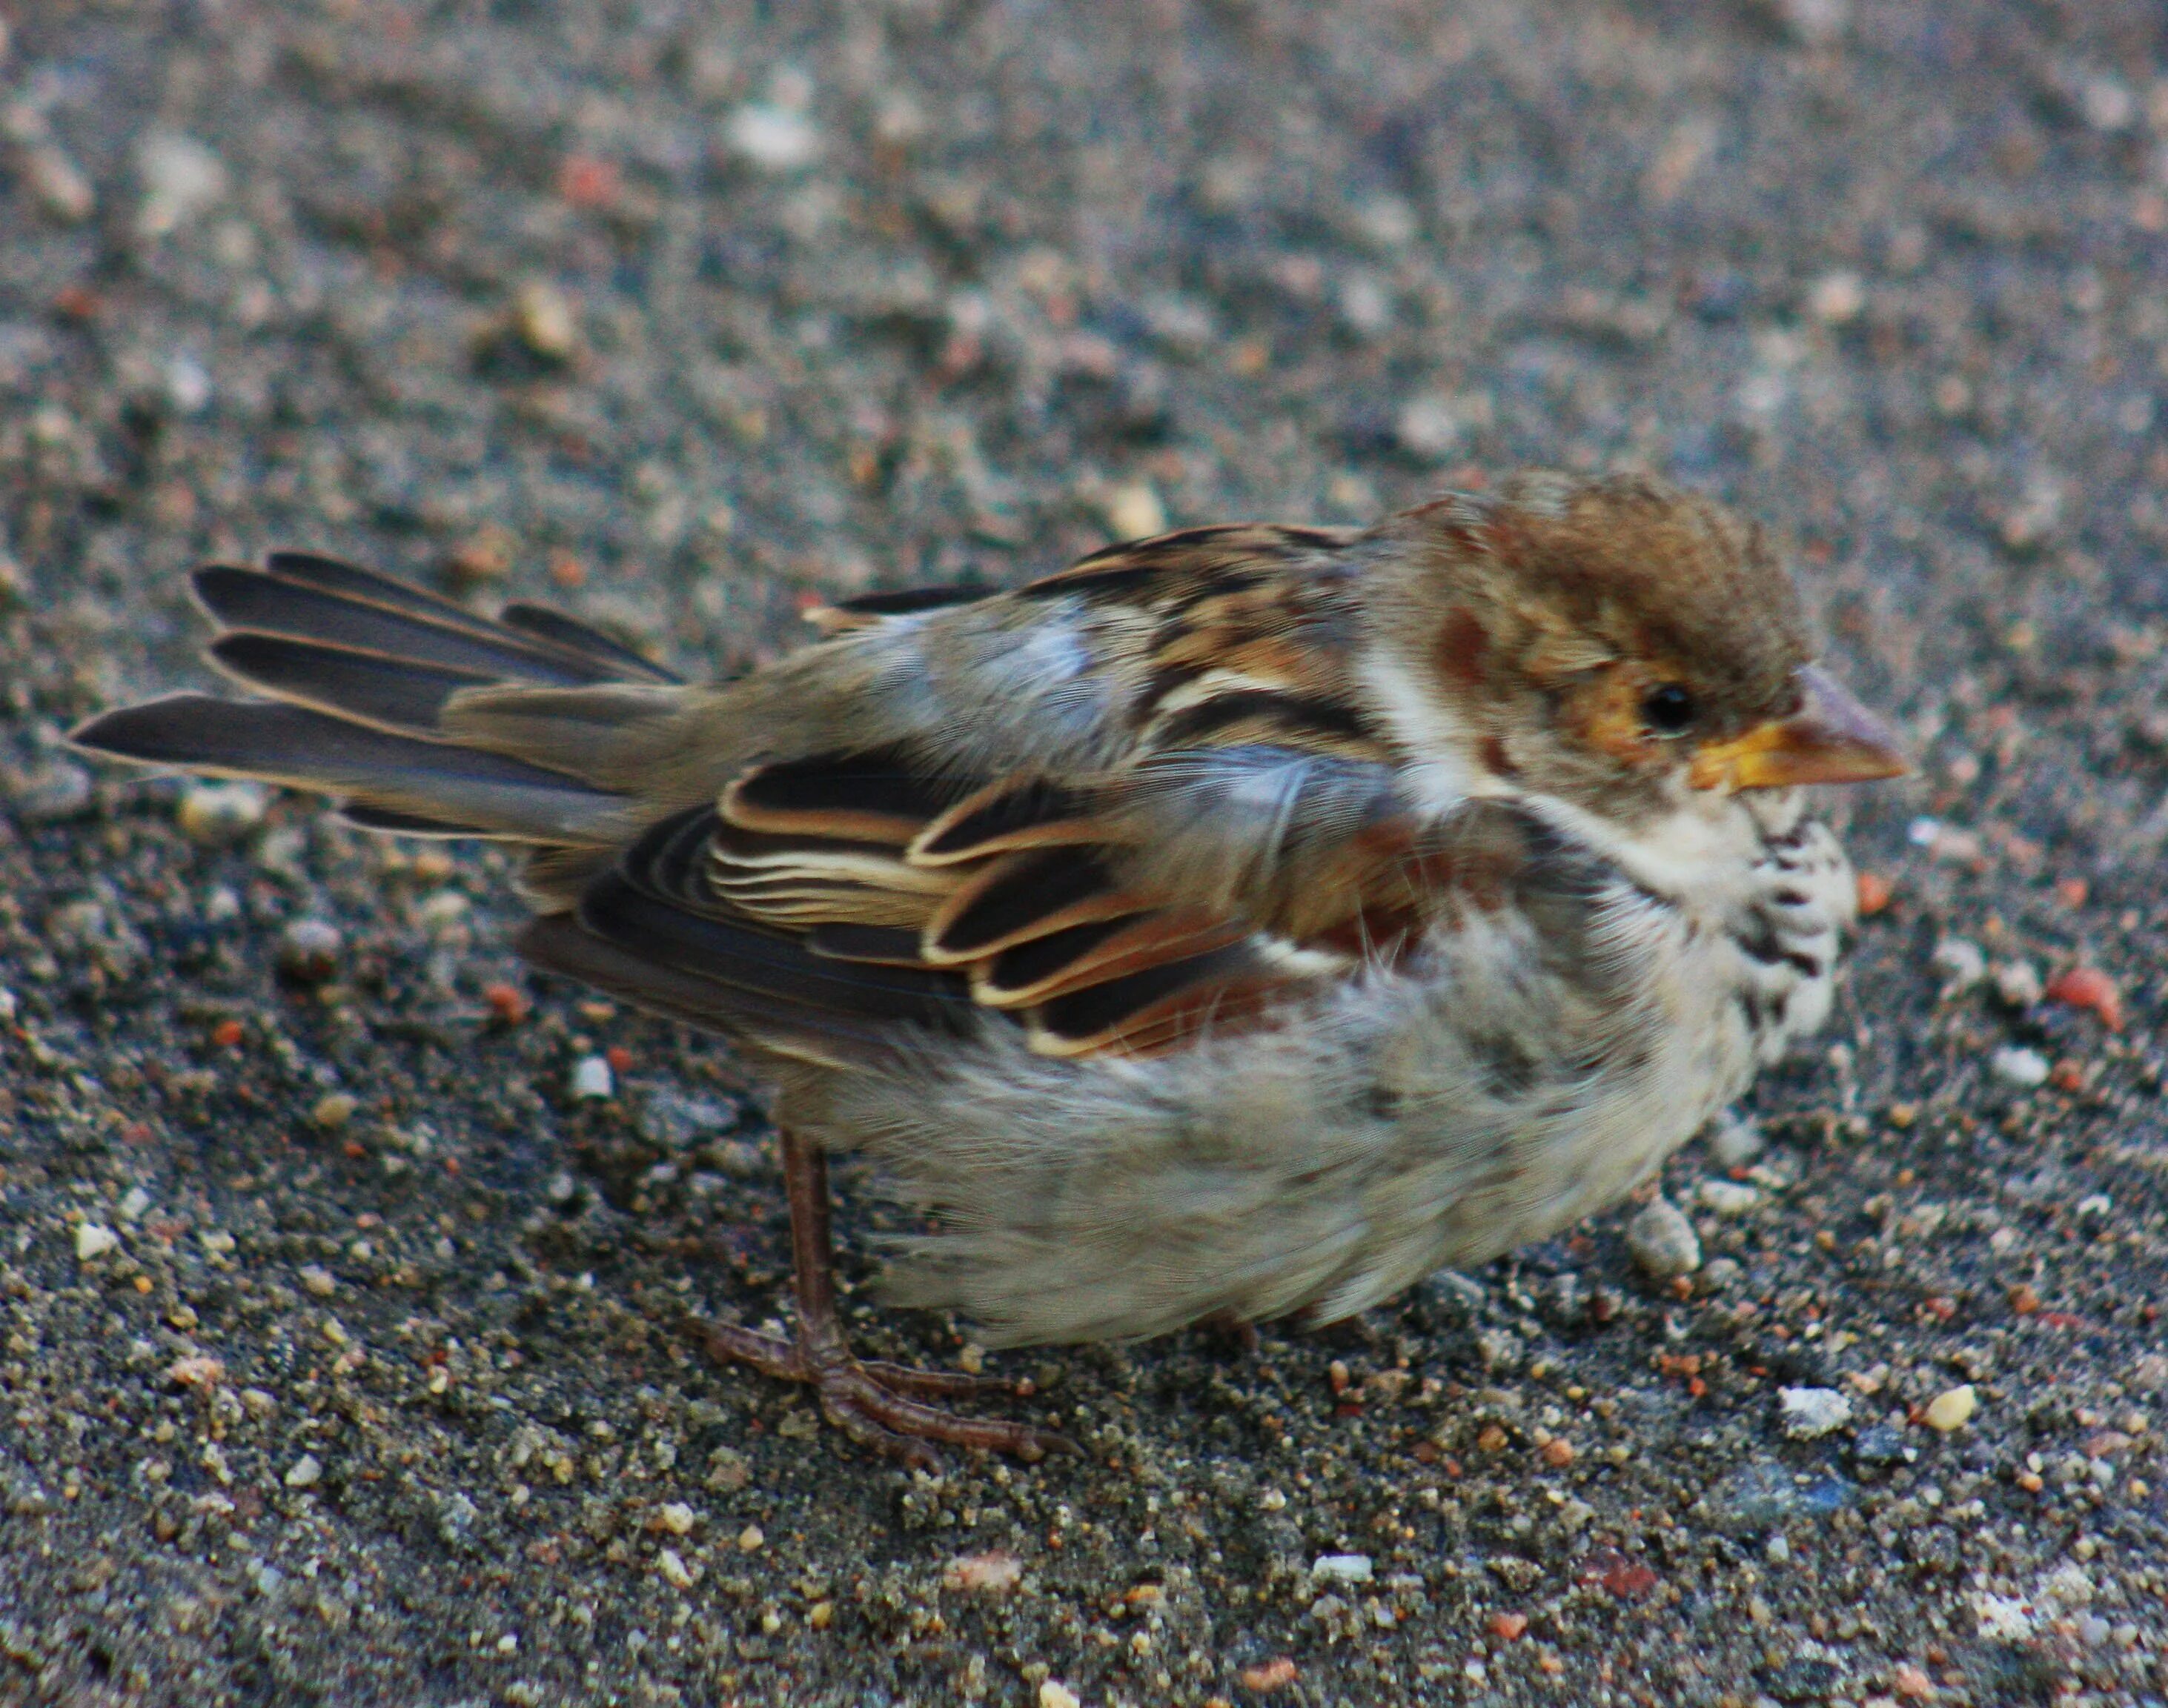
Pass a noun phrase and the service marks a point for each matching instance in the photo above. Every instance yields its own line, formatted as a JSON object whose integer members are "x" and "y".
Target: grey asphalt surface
{"x": 337, "y": 1363}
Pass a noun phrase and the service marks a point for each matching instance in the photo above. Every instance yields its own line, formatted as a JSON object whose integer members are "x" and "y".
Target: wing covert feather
{"x": 1241, "y": 841}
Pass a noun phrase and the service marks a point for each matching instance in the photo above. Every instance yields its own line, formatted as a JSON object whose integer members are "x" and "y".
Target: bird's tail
{"x": 360, "y": 672}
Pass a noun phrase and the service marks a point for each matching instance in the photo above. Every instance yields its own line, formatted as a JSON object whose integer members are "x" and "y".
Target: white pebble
{"x": 1961, "y": 962}
{"x": 1736, "y": 1141}
{"x": 775, "y": 138}
{"x": 1727, "y": 1197}
{"x": 92, "y": 1241}
{"x": 309, "y": 950}
{"x": 1817, "y": 23}
{"x": 305, "y": 1472}
{"x": 1810, "y": 1412}
{"x": 2003, "y": 1619}
{"x": 1663, "y": 1242}
{"x": 547, "y": 322}
{"x": 1836, "y": 298}
{"x": 59, "y": 183}
{"x": 1952, "y": 1409}
{"x": 1776, "y": 1550}
{"x": 134, "y": 1204}
{"x": 678, "y": 1518}
{"x": 216, "y": 813}
{"x": 1135, "y": 511}
{"x": 2016, "y": 1065}
{"x": 1052, "y": 1695}
{"x": 592, "y": 1078}
{"x": 1431, "y": 429}
{"x": 2017, "y": 984}
{"x": 675, "y": 1572}
{"x": 1922, "y": 833}
{"x": 181, "y": 179}
{"x": 188, "y": 384}
{"x": 1341, "y": 1568}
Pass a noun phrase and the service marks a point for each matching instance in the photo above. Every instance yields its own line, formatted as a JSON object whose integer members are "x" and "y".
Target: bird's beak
{"x": 1831, "y": 739}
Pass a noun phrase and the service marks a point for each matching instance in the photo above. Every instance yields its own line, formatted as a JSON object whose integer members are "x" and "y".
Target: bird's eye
{"x": 1668, "y": 708}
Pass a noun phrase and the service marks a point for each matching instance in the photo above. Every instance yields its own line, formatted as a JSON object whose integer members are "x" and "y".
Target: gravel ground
{"x": 335, "y": 1367}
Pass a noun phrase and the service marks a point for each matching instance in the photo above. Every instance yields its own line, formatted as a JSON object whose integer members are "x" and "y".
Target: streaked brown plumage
{"x": 1245, "y": 920}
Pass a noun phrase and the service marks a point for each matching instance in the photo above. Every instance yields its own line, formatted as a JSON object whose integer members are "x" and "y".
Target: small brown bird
{"x": 1246, "y": 920}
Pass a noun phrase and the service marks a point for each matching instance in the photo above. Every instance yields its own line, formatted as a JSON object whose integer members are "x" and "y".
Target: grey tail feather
{"x": 401, "y": 694}
{"x": 259, "y": 603}
{"x": 360, "y": 669}
{"x": 618, "y": 661}
{"x": 453, "y": 787}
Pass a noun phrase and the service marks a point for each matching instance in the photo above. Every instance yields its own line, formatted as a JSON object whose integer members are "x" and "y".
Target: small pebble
{"x": 305, "y": 1472}
{"x": 677, "y": 1517}
{"x": 546, "y": 320}
{"x": 1134, "y": 510}
{"x": 92, "y": 1241}
{"x": 1811, "y": 1412}
{"x": 181, "y": 179}
{"x": 2017, "y": 984}
{"x": 2003, "y": 1619}
{"x": 2089, "y": 988}
{"x": 309, "y": 951}
{"x": 1727, "y": 1197}
{"x": 1053, "y": 1694}
{"x": 1430, "y": 429}
{"x": 54, "y": 792}
{"x": 2016, "y": 1065}
{"x": 1736, "y": 1141}
{"x": 487, "y": 555}
{"x": 1952, "y": 1409}
{"x": 1836, "y": 298}
{"x": 1776, "y": 1550}
{"x": 773, "y": 138}
{"x": 752, "y": 1538}
{"x": 1341, "y": 1568}
{"x": 1663, "y": 1242}
{"x": 334, "y": 1110}
{"x": 672, "y": 1566}
{"x": 1962, "y": 964}
{"x": 318, "y": 1281}
{"x": 592, "y": 1078}
{"x": 59, "y": 183}
{"x": 215, "y": 814}
{"x": 993, "y": 1573}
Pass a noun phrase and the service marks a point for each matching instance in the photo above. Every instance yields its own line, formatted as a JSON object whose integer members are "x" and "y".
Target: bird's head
{"x": 1617, "y": 642}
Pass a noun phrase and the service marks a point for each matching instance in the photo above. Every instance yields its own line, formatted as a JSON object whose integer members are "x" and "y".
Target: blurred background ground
{"x": 332, "y": 1371}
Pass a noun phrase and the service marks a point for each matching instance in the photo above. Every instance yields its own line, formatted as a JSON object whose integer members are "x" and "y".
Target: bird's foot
{"x": 880, "y": 1405}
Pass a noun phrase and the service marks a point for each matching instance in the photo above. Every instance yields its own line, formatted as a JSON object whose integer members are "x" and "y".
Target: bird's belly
{"x": 1439, "y": 1116}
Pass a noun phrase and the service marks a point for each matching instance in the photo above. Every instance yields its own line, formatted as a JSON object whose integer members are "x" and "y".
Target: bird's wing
{"x": 1228, "y": 832}
{"x": 824, "y": 898}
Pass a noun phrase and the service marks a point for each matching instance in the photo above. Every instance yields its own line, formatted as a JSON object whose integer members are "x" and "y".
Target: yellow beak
{"x": 1831, "y": 739}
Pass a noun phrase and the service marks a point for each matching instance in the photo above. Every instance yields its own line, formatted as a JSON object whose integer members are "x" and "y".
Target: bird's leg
{"x": 877, "y": 1404}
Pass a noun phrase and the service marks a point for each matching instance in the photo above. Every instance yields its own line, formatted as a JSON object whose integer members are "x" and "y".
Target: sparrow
{"x": 1241, "y": 922}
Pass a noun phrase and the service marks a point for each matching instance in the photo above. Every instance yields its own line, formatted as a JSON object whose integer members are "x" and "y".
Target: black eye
{"x": 1668, "y": 708}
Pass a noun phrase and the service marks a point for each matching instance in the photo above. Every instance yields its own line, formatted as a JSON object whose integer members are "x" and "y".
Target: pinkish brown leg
{"x": 877, "y": 1405}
